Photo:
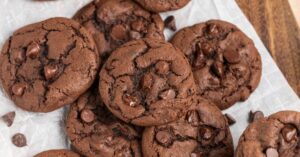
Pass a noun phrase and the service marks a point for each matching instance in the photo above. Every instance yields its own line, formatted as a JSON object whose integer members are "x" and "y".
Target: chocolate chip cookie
{"x": 94, "y": 131}
{"x": 147, "y": 82}
{"x": 114, "y": 22}
{"x": 275, "y": 136}
{"x": 40, "y": 67}
{"x": 162, "y": 5}
{"x": 57, "y": 153}
{"x": 202, "y": 132}
{"x": 226, "y": 65}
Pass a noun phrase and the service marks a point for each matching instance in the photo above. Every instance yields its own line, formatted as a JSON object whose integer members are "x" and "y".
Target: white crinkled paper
{"x": 46, "y": 131}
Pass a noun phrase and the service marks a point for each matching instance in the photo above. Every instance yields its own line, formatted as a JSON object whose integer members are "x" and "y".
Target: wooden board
{"x": 278, "y": 29}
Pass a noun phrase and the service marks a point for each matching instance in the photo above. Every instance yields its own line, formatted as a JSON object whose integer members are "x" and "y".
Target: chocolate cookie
{"x": 275, "y": 136}
{"x": 147, "y": 82}
{"x": 94, "y": 131}
{"x": 226, "y": 65}
{"x": 162, "y": 5}
{"x": 57, "y": 153}
{"x": 114, "y": 22}
{"x": 202, "y": 132}
{"x": 40, "y": 67}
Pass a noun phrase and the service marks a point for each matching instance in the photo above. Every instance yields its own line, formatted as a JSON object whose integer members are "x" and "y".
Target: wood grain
{"x": 278, "y": 29}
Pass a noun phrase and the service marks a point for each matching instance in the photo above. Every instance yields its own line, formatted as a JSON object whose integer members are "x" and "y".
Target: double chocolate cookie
{"x": 57, "y": 153}
{"x": 202, "y": 132}
{"x": 115, "y": 22}
{"x": 39, "y": 65}
{"x": 147, "y": 82}
{"x": 95, "y": 132}
{"x": 226, "y": 65}
{"x": 162, "y": 5}
{"x": 275, "y": 136}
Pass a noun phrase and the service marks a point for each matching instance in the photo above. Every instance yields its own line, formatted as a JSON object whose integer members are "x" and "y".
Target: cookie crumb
{"x": 19, "y": 140}
{"x": 230, "y": 119}
{"x": 170, "y": 23}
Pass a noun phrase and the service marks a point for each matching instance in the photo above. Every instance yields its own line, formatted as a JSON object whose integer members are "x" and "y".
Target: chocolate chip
{"x": 213, "y": 30}
{"x": 9, "y": 117}
{"x": 218, "y": 69}
{"x": 50, "y": 71}
{"x": 130, "y": 100}
{"x": 118, "y": 32}
{"x": 253, "y": 116}
{"x": 205, "y": 133}
{"x": 197, "y": 154}
{"x": 33, "y": 50}
{"x": 193, "y": 118}
{"x": 19, "y": 140}
{"x": 137, "y": 25}
{"x": 18, "y": 56}
{"x": 87, "y": 115}
{"x": 168, "y": 94}
{"x": 230, "y": 119}
{"x": 207, "y": 49}
{"x": 147, "y": 82}
{"x": 164, "y": 138}
{"x": 271, "y": 152}
{"x": 19, "y": 88}
{"x": 135, "y": 35}
{"x": 232, "y": 56}
{"x": 170, "y": 23}
{"x": 289, "y": 133}
{"x": 162, "y": 67}
{"x": 199, "y": 61}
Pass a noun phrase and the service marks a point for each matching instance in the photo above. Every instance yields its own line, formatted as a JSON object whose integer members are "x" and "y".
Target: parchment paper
{"x": 46, "y": 131}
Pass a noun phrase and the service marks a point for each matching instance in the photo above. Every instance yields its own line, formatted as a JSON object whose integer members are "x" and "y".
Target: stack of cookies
{"x": 131, "y": 93}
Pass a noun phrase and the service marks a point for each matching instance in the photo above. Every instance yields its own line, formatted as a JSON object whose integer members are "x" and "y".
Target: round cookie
{"x": 275, "y": 136}
{"x": 39, "y": 65}
{"x": 115, "y": 22}
{"x": 57, "y": 153}
{"x": 94, "y": 131}
{"x": 203, "y": 131}
{"x": 226, "y": 65}
{"x": 147, "y": 82}
{"x": 162, "y": 5}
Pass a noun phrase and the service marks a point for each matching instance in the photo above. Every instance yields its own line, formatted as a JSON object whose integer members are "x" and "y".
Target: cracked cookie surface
{"x": 275, "y": 136}
{"x": 115, "y": 22}
{"x": 57, "y": 153}
{"x": 202, "y": 131}
{"x": 226, "y": 65}
{"x": 94, "y": 131}
{"x": 147, "y": 82}
{"x": 162, "y": 5}
{"x": 39, "y": 65}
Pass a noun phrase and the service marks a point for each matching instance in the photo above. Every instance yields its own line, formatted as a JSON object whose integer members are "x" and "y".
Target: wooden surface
{"x": 276, "y": 25}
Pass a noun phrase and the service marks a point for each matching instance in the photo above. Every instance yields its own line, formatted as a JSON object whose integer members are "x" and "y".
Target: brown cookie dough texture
{"x": 162, "y": 5}
{"x": 202, "y": 132}
{"x": 115, "y": 22}
{"x": 275, "y": 136}
{"x": 226, "y": 65}
{"x": 46, "y": 65}
{"x": 57, "y": 153}
{"x": 147, "y": 82}
{"x": 95, "y": 132}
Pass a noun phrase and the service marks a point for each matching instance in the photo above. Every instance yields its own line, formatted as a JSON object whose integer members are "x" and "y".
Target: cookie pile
{"x": 131, "y": 93}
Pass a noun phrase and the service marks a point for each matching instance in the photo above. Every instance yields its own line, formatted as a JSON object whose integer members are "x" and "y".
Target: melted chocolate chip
{"x": 87, "y": 115}
{"x": 33, "y": 50}
{"x": 218, "y": 69}
{"x": 205, "y": 133}
{"x": 192, "y": 118}
{"x": 18, "y": 56}
{"x": 168, "y": 94}
{"x": 207, "y": 49}
{"x": 170, "y": 23}
{"x": 50, "y": 71}
{"x": 164, "y": 138}
{"x": 147, "y": 82}
{"x": 232, "y": 56}
{"x": 19, "y": 140}
{"x": 118, "y": 32}
{"x": 271, "y": 152}
{"x": 9, "y": 117}
{"x": 289, "y": 133}
{"x": 253, "y": 116}
{"x": 19, "y": 88}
